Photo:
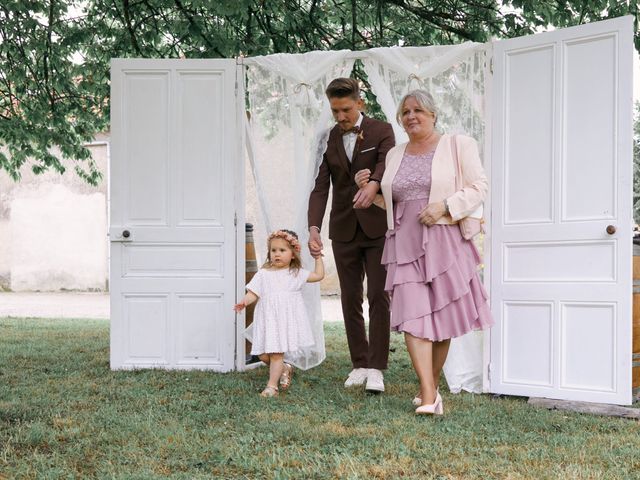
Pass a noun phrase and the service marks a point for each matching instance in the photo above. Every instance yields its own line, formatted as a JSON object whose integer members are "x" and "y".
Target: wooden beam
{"x": 586, "y": 407}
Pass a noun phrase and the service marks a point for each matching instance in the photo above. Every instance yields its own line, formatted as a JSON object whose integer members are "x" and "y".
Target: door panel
{"x": 144, "y": 318}
{"x": 530, "y": 146}
{"x": 197, "y": 334}
{"x": 589, "y": 116}
{"x": 588, "y": 346}
{"x": 561, "y": 169}
{"x": 528, "y": 341}
{"x": 174, "y": 169}
{"x": 145, "y": 152}
{"x": 200, "y": 111}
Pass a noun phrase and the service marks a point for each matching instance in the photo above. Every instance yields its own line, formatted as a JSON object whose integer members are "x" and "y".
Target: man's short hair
{"x": 343, "y": 87}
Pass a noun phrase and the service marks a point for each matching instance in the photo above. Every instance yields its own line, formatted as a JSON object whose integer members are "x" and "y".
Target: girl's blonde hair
{"x": 291, "y": 238}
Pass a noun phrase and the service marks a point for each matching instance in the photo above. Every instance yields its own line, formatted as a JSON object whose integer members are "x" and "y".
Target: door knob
{"x": 611, "y": 229}
{"x": 127, "y": 233}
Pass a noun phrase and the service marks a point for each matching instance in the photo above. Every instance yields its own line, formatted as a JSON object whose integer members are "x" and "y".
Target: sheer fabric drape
{"x": 287, "y": 126}
{"x": 453, "y": 74}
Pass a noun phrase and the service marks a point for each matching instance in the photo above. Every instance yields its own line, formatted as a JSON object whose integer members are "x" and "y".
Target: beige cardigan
{"x": 461, "y": 203}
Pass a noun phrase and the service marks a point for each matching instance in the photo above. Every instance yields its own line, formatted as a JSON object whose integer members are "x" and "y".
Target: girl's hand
{"x": 431, "y": 213}
{"x": 315, "y": 242}
{"x": 362, "y": 177}
{"x": 238, "y": 307}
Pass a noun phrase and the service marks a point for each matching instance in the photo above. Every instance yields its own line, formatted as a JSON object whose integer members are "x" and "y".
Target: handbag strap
{"x": 456, "y": 163}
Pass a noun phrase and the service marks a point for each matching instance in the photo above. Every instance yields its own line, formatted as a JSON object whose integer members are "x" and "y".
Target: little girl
{"x": 280, "y": 321}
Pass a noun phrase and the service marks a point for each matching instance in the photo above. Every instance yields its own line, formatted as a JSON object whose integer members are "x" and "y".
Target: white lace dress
{"x": 280, "y": 320}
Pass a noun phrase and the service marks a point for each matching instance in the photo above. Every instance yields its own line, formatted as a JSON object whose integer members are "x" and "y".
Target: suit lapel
{"x": 356, "y": 148}
{"x": 338, "y": 144}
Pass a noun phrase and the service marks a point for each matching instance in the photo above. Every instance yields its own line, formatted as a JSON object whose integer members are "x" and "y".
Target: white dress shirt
{"x": 349, "y": 140}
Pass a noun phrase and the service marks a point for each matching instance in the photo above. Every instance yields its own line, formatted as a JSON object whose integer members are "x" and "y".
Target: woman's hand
{"x": 238, "y": 307}
{"x": 362, "y": 177}
{"x": 432, "y": 213}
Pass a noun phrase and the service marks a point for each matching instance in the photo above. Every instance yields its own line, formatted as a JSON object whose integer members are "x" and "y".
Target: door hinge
{"x": 491, "y": 65}
{"x": 488, "y": 371}
{"x": 235, "y": 219}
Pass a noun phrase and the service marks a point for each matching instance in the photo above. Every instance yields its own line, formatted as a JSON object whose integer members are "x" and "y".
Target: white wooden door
{"x": 175, "y": 165}
{"x": 561, "y": 173}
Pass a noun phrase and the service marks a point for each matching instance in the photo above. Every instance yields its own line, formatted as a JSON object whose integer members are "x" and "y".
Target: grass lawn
{"x": 64, "y": 414}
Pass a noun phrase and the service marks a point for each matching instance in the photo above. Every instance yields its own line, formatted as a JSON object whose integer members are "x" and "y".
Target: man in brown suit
{"x": 356, "y": 227}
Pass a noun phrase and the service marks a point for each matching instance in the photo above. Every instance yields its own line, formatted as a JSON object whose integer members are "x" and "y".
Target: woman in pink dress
{"x": 436, "y": 293}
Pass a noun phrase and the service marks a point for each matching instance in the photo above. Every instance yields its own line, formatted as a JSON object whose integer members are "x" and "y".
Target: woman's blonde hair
{"x": 424, "y": 99}
{"x": 291, "y": 238}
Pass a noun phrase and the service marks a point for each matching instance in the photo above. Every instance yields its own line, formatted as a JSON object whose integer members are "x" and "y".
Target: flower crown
{"x": 291, "y": 239}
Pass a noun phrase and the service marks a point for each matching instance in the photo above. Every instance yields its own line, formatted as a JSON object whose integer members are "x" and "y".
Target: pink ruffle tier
{"x": 432, "y": 278}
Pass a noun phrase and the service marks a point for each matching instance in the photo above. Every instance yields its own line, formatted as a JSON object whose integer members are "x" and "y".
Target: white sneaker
{"x": 357, "y": 377}
{"x": 375, "y": 381}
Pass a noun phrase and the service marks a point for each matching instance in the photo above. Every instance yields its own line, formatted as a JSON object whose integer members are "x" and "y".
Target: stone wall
{"x": 53, "y": 229}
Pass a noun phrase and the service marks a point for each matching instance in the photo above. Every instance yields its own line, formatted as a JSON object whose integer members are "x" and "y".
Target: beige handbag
{"x": 470, "y": 225}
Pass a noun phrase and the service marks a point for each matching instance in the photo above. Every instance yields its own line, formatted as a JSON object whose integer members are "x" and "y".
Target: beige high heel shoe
{"x": 417, "y": 401}
{"x": 435, "y": 408}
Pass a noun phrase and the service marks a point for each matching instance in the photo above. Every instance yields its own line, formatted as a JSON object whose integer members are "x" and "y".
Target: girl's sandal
{"x": 269, "y": 391}
{"x": 285, "y": 378}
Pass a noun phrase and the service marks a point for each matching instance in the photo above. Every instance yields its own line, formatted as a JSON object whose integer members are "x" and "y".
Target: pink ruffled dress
{"x": 432, "y": 272}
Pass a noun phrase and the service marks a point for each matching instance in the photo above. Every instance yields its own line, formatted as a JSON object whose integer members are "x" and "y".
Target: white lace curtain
{"x": 287, "y": 124}
{"x": 287, "y": 128}
{"x": 453, "y": 74}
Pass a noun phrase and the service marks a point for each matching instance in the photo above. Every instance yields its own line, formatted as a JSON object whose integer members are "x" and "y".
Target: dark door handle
{"x": 611, "y": 229}
{"x": 127, "y": 233}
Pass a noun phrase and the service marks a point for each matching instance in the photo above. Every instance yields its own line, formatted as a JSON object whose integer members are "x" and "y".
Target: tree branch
{"x": 132, "y": 33}
{"x": 45, "y": 59}
{"x": 353, "y": 24}
{"x": 193, "y": 23}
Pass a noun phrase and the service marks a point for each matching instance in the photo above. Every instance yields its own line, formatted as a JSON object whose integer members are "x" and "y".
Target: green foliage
{"x": 54, "y": 55}
{"x": 46, "y": 100}
{"x": 64, "y": 414}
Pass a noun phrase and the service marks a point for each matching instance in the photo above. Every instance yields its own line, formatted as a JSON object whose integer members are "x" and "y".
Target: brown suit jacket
{"x": 375, "y": 140}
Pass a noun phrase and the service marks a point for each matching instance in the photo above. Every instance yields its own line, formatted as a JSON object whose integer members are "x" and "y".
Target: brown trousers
{"x": 353, "y": 259}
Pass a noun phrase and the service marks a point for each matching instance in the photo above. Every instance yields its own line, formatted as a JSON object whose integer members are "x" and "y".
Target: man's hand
{"x": 362, "y": 177}
{"x": 432, "y": 213}
{"x": 365, "y": 196}
{"x": 315, "y": 243}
